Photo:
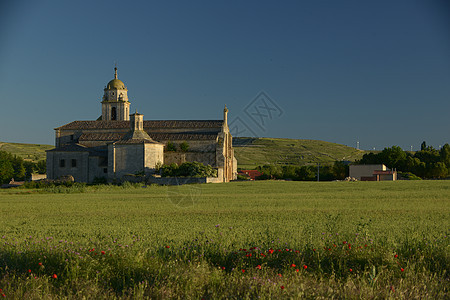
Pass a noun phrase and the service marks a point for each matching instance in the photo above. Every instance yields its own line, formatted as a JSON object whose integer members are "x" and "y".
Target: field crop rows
{"x": 238, "y": 240}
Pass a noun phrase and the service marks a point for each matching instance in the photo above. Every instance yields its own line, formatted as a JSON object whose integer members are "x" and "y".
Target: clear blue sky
{"x": 377, "y": 72}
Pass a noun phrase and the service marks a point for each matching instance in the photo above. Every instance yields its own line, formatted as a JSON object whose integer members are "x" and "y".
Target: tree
{"x": 423, "y": 146}
{"x": 41, "y": 167}
{"x": 29, "y": 168}
{"x": 307, "y": 173}
{"x": 6, "y": 171}
{"x": 184, "y": 146}
{"x": 171, "y": 146}
{"x": 19, "y": 169}
{"x": 445, "y": 155}
{"x": 438, "y": 170}
{"x": 289, "y": 172}
{"x": 393, "y": 157}
{"x": 339, "y": 170}
{"x": 271, "y": 171}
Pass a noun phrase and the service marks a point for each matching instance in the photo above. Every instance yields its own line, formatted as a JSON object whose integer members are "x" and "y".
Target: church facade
{"x": 119, "y": 143}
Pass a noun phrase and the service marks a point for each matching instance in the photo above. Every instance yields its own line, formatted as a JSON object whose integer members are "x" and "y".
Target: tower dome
{"x": 115, "y": 104}
{"x": 115, "y": 84}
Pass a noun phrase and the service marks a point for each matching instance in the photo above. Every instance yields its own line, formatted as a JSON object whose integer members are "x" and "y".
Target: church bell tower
{"x": 115, "y": 104}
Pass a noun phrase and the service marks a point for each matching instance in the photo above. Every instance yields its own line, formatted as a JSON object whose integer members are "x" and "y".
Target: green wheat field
{"x": 240, "y": 240}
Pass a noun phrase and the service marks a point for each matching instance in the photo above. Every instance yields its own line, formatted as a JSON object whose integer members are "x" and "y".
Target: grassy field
{"x": 31, "y": 152}
{"x": 253, "y": 152}
{"x": 238, "y": 240}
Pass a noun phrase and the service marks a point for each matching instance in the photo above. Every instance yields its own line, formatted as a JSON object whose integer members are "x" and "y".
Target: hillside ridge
{"x": 249, "y": 152}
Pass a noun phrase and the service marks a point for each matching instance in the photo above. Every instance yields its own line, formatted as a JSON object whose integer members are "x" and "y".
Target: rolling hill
{"x": 249, "y": 152}
{"x": 31, "y": 152}
{"x": 252, "y": 152}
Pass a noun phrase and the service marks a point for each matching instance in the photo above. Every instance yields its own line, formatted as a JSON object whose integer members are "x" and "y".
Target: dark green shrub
{"x": 171, "y": 146}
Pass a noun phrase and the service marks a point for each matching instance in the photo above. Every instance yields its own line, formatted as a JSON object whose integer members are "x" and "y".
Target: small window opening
{"x": 113, "y": 114}
{"x": 74, "y": 163}
{"x": 62, "y": 163}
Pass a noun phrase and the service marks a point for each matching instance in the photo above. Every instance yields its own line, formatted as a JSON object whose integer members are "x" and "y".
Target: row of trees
{"x": 426, "y": 163}
{"x": 184, "y": 146}
{"x": 12, "y": 166}
{"x": 188, "y": 169}
{"x": 338, "y": 171}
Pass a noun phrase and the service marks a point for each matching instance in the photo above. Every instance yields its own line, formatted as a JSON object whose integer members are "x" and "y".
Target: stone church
{"x": 119, "y": 143}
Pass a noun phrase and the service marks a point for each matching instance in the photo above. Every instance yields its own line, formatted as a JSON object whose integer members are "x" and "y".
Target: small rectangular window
{"x": 74, "y": 163}
{"x": 105, "y": 170}
{"x": 62, "y": 163}
{"x": 71, "y": 137}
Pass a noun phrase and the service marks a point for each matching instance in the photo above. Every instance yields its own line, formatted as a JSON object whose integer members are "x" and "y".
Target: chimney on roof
{"x": 137, "y": 122}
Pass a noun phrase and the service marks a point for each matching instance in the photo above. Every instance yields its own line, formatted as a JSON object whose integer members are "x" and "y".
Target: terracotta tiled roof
{"x": 70, "y": 148}
{"x": 75, "y": 147}
{"x": 187, "y": 136}
{"x": 76, "y": 125}
{"x": 136, "y": 141}
{"x": 157, "y": 136}
{"x": 101, "y": 137}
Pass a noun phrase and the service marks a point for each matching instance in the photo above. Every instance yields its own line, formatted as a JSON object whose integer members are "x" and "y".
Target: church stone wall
{"x": 206, "y": 158}
{"x": 154, "y": 154}
{"x": 194, "y": 146}
{"x": 133, "y": 158}
{"x": 96, "y": 168}
{"x": 56, "y": 169}
{"x": 127, "y": 159}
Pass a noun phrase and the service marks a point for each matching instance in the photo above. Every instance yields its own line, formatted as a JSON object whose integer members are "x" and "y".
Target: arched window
{"x": 113, "y": 114}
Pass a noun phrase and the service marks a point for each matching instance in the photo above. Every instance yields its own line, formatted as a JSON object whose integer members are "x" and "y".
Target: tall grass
{"x": 237, "y": 240}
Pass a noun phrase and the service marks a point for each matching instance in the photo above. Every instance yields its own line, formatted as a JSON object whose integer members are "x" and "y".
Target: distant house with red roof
{"x": 252, "y": 174}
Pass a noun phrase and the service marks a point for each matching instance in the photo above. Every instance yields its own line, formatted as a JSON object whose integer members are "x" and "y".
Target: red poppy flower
{"x": 293, "y": 266}
{"x": 223, "y": 268}
{"x": 351, "y": 270}
{"x": 271, "y": 251}
{"x": 258, "y": 267}
{"x": 29, "y": 271}
{"x": 395, "y": 255}
{"x": 282, "y": 287}
{"x": 296, "y": 270}
{"x": 280, "y": 275}
{"x": 167, "y": 247}
{"x": 40, "y": 264}
{"x": 305, "y": 267}
{"x": 243, "y": 271}
{"x": 402, "y": 269}
{"x": 3, "y": 295}
{"x": 55, "y": 276}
